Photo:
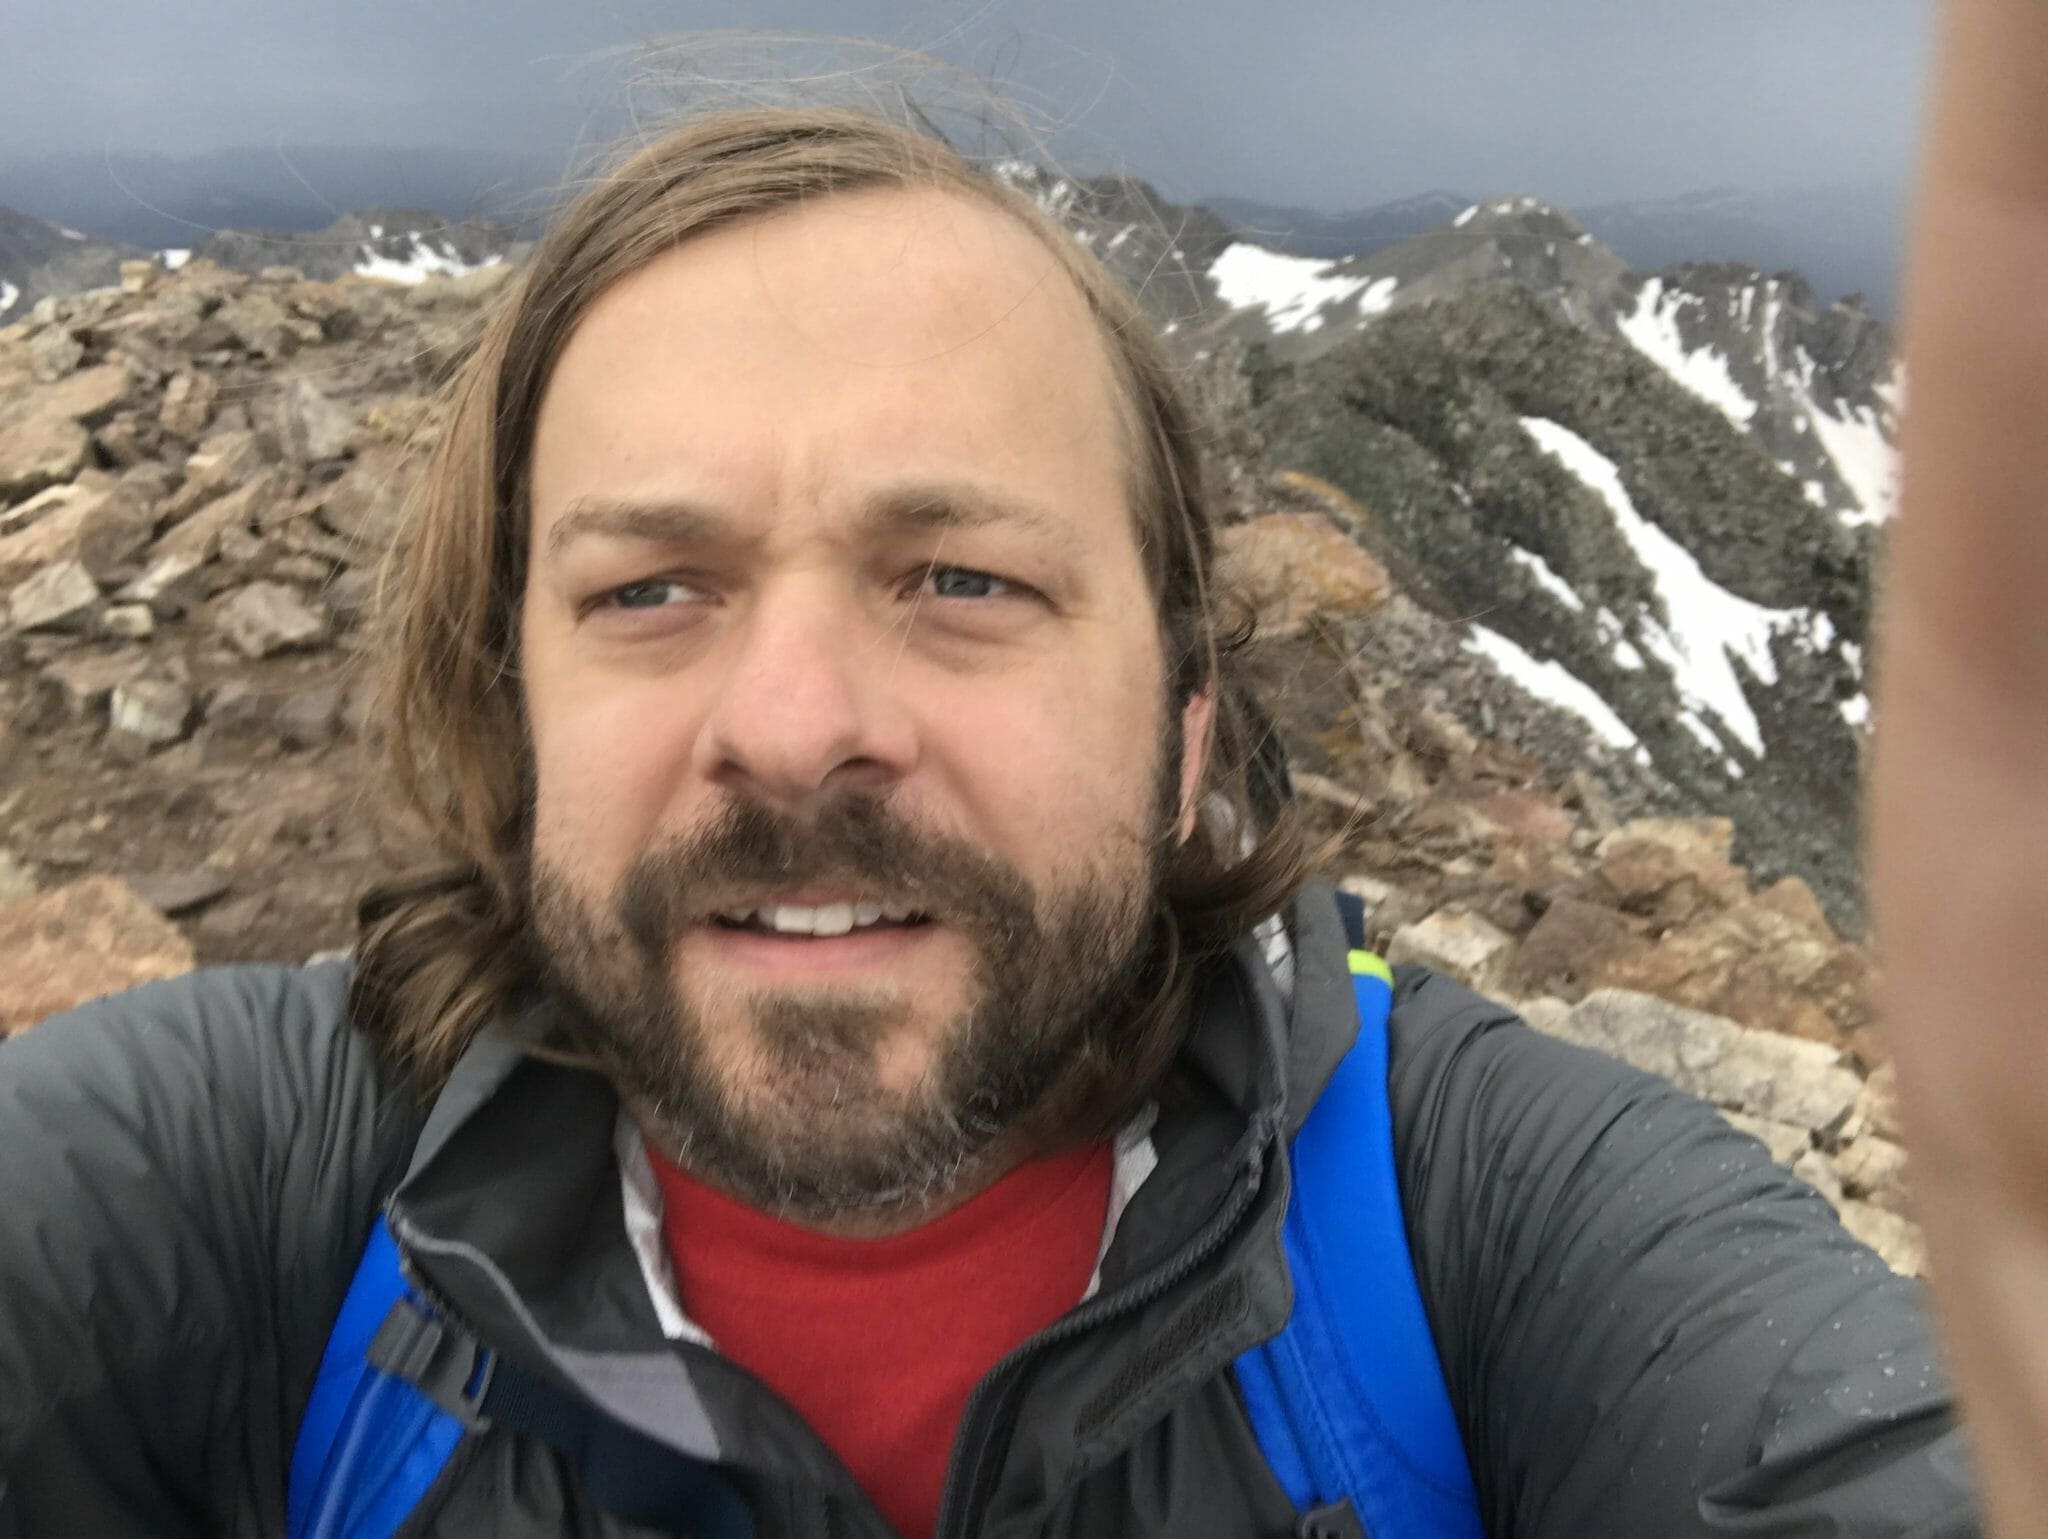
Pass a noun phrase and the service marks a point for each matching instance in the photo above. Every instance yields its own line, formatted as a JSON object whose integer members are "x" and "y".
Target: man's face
{"x": 853, "y": 758}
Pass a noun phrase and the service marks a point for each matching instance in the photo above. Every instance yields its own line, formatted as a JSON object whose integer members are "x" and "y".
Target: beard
{"x": 776, "y": 1095}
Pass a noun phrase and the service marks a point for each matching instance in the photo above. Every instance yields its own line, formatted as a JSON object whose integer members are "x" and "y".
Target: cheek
{"x": 606, "y": 766}
{"x": 1059, "y": 771}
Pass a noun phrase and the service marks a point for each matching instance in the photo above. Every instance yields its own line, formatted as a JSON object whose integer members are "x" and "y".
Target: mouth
{"x": 819, "y": 921}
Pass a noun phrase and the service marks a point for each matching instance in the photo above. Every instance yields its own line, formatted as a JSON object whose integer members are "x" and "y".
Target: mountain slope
{"x": 38, "y": 258}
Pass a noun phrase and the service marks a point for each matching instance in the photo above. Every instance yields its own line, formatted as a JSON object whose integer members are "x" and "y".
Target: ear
{"x": 1196, "y": 719}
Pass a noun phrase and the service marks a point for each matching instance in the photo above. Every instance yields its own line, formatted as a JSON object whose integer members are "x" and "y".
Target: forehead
{"x": 860, "y": 338}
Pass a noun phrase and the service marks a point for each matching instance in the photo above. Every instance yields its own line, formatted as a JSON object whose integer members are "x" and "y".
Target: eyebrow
{"x": 665, "y": 522}
{"x": 913, "y": 507}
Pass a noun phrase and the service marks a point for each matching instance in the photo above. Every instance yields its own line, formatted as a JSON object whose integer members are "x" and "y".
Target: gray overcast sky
{"x": 1329, "y": 102}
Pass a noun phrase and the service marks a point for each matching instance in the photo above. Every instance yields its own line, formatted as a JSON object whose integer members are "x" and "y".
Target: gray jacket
{"x": 1647, "y": 1329}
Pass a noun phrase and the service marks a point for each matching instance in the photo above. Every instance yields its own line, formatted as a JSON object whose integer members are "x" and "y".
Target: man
{"x": 848, "y": 1069}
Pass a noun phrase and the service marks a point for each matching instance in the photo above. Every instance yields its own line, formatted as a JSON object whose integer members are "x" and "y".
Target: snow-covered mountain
{"x": 1845, "y": 240}
{"x": 1654, "y": 497}
{"x": 39, "y": 258}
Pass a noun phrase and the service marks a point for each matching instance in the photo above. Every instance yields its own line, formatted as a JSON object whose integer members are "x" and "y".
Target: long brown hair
{"x": 440, "y": 954}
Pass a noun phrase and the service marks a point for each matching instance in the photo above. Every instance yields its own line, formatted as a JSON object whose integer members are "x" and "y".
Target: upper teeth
{"x": 827, "y": 919}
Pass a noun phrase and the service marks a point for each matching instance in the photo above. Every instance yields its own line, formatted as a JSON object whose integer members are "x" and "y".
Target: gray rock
{"x": 188, "y": 403}
{"x": 81, "y": 684}
{"x": 235, "y": 708}
{"x": 1457, "y": 942}
{"x": 310, "y": 718}
{"x": 349, "y": 595}
{"x": 54, "y": 353}
{"x": 1785, "y": 1079}
{"x": 152, "y": 711}
{"x": 312, "y": 426}
{"x": 60, "y": 596}
{"x": 130, "y": 622}
{"x": 259, "y": 323}
{"x": 268, "y": 617}
{"x": 169, "y": 585}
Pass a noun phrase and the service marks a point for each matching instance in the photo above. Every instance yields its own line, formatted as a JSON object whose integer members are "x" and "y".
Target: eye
{"x": 964, "y": 582}
{"x": 648, "y": 593}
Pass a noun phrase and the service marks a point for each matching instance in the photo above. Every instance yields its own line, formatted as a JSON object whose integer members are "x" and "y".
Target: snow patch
{"x": 1856, "y": 710}
{"x": 421, "y": 261}
{"x": 8, "y": 295}
{"x": 1709, "y": 626}
{"x": 1864, "y": 456}
{"x": 1547, "y": 578}
{"x": 174, "y": 257}
{"x": 70, "y": 234}
{"x": 1652, "y": 327}
{"x": 1378, "y": 297}
{"x": 1291, "y": 290}
{"x": 1552, "y": 682}
{"x": 1465, "y": 218}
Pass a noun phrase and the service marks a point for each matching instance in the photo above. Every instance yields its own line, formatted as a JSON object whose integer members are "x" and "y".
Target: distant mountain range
{"x": 158, "y": 201}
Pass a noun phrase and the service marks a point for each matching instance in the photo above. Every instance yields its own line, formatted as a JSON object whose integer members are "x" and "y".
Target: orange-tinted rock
{"x": 1763, "y": 969}
{"x": 1292, "y": 566}
{"x": 1572, "y": 947}
{"x": 1525, "y": 813}
{"x": 79, "y": 942}
{"x": 1671, "y": 869}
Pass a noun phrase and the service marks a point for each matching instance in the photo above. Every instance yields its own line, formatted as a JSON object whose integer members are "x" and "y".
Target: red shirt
{"x": 878, "y": 1343}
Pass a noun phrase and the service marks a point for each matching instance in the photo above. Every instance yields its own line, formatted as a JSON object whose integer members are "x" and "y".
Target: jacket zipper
{"x": 968, "y": 1472}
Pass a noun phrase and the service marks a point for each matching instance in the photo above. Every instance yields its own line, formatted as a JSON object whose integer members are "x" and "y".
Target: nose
{"x": 808, "y": 705}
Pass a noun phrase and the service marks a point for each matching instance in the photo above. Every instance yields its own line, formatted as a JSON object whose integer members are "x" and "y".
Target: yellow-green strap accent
{"x": 1364, "y": 964}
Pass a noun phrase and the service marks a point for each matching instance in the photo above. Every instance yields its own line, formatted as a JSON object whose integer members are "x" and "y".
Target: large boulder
{"x": 1764, "y": 969}
{"x": 1762, "y": 1073}
{"x": 77, "y": 943}
{"x": 42, "y": 451}
{"x": 1671, "y": 868}
{"x": 1455, "y": 941}
{"x": 90, "y": 396}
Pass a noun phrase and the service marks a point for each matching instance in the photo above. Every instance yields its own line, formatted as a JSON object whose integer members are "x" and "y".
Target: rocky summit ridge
{"x": 200, "y": 467}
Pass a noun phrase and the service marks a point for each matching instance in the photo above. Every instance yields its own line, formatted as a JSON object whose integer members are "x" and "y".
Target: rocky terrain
{"x": 199, "y": 468}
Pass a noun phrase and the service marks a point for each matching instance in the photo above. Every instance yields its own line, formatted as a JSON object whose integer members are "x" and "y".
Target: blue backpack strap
{"x": 397, "y": 1388}
{"x": 1348, "y": 1402}
{"x": 369, "y": 1444}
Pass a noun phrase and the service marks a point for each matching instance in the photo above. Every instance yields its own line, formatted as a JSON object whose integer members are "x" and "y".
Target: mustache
{"x": 749, "y": 849}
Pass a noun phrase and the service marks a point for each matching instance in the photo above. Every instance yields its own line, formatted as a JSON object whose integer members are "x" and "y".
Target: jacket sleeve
{"x": 1646, "y": 1326}
{"x": 187, "y": 1171}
